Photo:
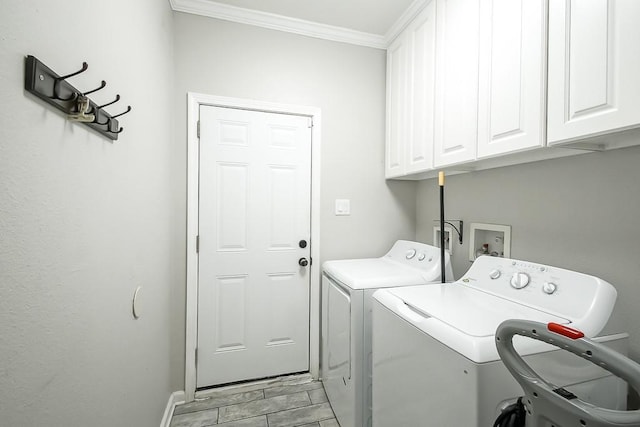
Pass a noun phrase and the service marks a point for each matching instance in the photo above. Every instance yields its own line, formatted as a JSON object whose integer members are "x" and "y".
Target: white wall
{"x": 84, "y": 221}
{"x": 579, "y": 213}
{"x": 347, "y": 82}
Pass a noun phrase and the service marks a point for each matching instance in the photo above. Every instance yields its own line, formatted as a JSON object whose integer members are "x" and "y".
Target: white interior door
{"x": 254, "y": 211}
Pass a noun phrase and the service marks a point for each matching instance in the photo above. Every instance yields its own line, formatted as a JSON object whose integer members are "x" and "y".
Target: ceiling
{"x": 363, "y": 22}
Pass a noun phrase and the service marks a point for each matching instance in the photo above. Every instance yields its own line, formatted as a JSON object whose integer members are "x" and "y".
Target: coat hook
{"x": 95, "y": 120}
{"x": 63, "y": 78}
{"x": 55, "y": 94}
{"x": 122, "y": 114}
{"x": 102, "y": 85}
{"x": 109, "y": 103}
{"x": 112, "y": 117}
{"x": 84, "y": 68}
{"x": 117, "y": 131}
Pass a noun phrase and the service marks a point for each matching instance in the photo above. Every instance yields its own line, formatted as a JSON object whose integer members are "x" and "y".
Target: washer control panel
{"x": 566, "y": 293}
{"x": 549, "y": 287}
{"x": 520, "y": 280}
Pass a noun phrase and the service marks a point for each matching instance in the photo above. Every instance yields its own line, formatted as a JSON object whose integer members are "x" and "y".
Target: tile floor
{"x": 290, "y": 401}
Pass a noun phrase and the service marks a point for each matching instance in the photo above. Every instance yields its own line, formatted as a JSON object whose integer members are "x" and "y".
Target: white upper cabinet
{"x": 476, "y": 84}
{"x": 422, "y": 42}
{"x": 396, "y": 129}
{"x": 511, "y": 107}
{"x": 456, "y": 108}
{"x": 410, "y": 97}
{"x": 594, "y": 68}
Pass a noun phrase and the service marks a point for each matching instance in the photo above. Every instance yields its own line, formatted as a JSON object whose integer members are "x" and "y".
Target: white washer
{"x": 347, "y": 287}
{"x": 435, "y": 361}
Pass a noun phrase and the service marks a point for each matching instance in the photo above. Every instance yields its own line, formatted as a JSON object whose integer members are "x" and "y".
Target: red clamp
{"x": 566, "y": 331}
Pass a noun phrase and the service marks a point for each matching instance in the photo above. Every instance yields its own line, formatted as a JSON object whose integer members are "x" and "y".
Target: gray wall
{"x": 579, "y": 213}
{"x": 84, "y": 221}
{"x": 347, "y": 82}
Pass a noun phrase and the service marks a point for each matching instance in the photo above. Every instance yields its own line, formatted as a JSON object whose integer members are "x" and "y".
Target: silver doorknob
{"x": 302, "y": 262}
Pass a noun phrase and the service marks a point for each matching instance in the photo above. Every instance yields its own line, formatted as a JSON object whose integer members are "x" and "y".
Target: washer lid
{"x": 470, "y": 311}
{"x": 373, "y": 273}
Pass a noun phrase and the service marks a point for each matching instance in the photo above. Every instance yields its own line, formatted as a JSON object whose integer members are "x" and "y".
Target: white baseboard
{"x": 176, "y": 398}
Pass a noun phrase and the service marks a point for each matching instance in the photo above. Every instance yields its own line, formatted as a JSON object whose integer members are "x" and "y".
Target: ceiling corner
{"x": 412, "y": 11}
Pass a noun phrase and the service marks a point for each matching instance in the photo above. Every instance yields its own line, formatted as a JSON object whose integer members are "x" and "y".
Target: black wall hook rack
{"x": 47, "y": 85}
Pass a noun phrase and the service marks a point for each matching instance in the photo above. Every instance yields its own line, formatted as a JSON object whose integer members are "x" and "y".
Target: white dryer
{"x": 347, "y": 288}
{"x": 435, "y": 361}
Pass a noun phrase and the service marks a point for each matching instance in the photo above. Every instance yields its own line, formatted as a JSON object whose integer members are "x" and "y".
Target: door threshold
{"x": 251, "y": 385}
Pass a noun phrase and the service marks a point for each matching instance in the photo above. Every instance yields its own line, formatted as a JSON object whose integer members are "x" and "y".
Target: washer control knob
{"x": 520, "y": 280}
{"x": 549, "y": 288}
{"x": 495, "y": 273}
{"x": 421, "y": 257}
{"x": 410, "y": 253}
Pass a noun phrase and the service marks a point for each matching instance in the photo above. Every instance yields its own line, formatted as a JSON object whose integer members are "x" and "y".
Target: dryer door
{"x": 338, "y": 332}
{"x": 340, "y": 378}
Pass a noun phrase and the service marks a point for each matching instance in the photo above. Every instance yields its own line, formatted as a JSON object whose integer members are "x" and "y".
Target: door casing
{"x": 194, "y": 100}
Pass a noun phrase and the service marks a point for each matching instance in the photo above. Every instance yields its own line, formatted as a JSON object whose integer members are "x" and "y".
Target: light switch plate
{"x": 343, "y": 207}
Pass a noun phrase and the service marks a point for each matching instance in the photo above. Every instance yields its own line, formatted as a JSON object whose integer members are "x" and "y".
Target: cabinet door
{"x": 594, "y": 64}
{"x": 456, "y": 112}
{"x": 422, "y": 42}
{"x": 511, "y": 106}
{"x": 397, "y": 68}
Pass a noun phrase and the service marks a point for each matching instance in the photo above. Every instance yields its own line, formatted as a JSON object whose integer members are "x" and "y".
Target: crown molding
{"x": 409, "y": 15}
{"x": 278, "y": 22}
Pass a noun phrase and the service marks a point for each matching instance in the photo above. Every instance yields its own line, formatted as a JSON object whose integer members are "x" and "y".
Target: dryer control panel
{"x": 420, "y": 256}
{"x": 565, "y": 293}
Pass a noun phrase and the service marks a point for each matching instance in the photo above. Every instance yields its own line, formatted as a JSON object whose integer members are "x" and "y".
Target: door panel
{"x": 232, "y": 186}
{"x": 230, "y": 309}
{"x": 282, "y": 193}
{"x": 253, "y": 297}
{"x": 280, "y": 330}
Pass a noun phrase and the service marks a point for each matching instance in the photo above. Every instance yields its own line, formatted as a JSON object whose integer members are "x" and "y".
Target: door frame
{"x": 194, "y": 101}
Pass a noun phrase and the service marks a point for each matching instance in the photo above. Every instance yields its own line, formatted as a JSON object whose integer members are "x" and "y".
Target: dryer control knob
{"x": 549, "y": 288}
{"x": 520, "y": 280}
{"x": 494, "y": 274}
{"x": 410, "y": 253}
